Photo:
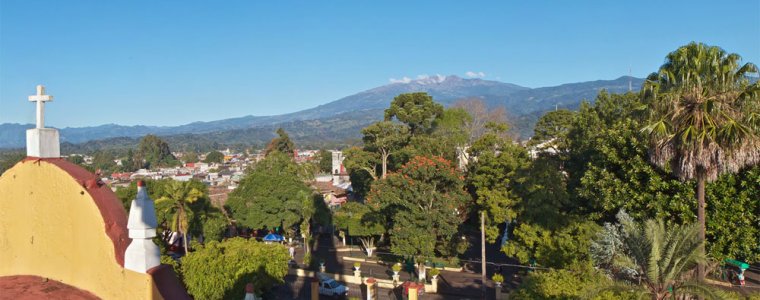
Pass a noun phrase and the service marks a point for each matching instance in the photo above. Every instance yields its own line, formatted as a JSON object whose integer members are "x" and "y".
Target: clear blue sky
{"x": 174, "y": 62}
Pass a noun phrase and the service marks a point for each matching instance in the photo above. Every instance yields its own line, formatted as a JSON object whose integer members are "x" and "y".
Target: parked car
{"x": 330, "y": 287}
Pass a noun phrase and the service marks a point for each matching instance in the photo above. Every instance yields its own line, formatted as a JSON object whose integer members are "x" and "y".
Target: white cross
{"x": 40, "y": 98}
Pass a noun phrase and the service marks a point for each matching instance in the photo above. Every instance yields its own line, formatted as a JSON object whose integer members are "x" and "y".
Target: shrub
{"x": 396, "y": 267}
{"x": 572, "y": 283}
{"x": 220, "y": 270}
{"x": 434, "y": 272}
{"x": 497, "y": 278}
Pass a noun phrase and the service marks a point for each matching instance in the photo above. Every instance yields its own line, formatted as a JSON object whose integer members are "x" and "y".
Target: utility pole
{"x": 483, "y": 252}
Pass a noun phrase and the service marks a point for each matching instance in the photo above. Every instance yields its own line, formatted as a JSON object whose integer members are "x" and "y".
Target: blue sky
{"x": 175, "y": 62}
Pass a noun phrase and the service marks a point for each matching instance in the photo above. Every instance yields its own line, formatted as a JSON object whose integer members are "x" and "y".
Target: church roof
{"x": 35, "y": 287}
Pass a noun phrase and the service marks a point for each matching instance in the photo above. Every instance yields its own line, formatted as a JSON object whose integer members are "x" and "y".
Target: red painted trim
{"x": 111, "y": 209}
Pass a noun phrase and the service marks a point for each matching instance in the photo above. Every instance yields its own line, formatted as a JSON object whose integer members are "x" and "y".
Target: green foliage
{"x": 416, "y": 110}
{"x": 574, "y": 283}
{"x": 385, "y": 138}
{"x": 497, "y": 278}
{"x": 271, "y": 194}
{"x": 609, "y": 170}
{"x": 396, "y": 267}
{"x": 608, "y": 157}
{"x": 214, "y": 157}
{"x": 8, "y": 160}
{"x": 324, "y": 161}
{"x": 103, "y": 161}
{"x": 552, "y": 130}
{"x": 197, "y": 212}
{"x": 214, "y": 227}
{"x": 220, "y": 270}
{"x": 493, "y": 177}
{"x": 154, "y": 152}
{"x": 426, "y": 203}
{"x": 362, "y": 169}
{"x": 359, "y": 219}
{"x": 654, "y": 258}
{"x": 557, "y": 248}
{"x": 77, "y": 159}
{"x": 190, "y": 157}
{"x": 733, "y": 228}
{"x": 281, "y": 143}
{"x": 703, "y": 113}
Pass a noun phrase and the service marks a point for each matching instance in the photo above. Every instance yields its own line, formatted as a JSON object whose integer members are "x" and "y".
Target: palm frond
{"x": 698, "y": 289}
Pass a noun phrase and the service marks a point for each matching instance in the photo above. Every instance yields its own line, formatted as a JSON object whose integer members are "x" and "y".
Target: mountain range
{"x": 343, "y": 118}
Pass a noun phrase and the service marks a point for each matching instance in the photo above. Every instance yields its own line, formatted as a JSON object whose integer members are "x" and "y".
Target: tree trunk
{"x": 701, "y": 219}
{"x": 483, "y": 251}
{"x": 183, "y": 231}
{"x": 385, "y": 164}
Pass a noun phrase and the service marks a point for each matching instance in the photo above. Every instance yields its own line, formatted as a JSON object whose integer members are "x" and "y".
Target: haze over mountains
{"x": 343, "y": 118}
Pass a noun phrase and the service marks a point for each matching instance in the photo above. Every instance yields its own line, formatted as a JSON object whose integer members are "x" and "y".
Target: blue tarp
{"x": 273, "y": 238}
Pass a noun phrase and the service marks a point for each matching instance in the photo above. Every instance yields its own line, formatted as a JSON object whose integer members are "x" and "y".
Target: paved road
{"x": 452, "y": 285}
{"x": 298, "y": 288}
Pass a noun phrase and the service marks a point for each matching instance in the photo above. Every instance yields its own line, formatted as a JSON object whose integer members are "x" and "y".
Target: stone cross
{"x": 40, "y": 98}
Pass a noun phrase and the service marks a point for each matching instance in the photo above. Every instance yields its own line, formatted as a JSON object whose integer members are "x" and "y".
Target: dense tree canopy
{"x": 324, "y": 161}
{"x": 271, "y": 194}
{"x": 281, "y": 143}
{"x": 154, "y": 152}
{"x": 360, "y": 221}
{"x": 214, "y": 157}
{"x": 426, "y": 203}
{"x": 221, "y": 270}
{"x": 385, "y": 138}
{"x": 416, "y": 110}
{"x": 493, "y": 178}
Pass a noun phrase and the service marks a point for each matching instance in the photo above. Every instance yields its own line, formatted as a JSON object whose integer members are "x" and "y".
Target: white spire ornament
{"x": 40, "y": 141}
{"x": 142, "y": 254}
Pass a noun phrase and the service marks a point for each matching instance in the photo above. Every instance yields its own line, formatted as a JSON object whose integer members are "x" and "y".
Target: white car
{"x": 330, "y": 287}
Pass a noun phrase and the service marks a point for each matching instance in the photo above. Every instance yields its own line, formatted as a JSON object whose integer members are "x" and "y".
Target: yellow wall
{"x": 51, "y": 227}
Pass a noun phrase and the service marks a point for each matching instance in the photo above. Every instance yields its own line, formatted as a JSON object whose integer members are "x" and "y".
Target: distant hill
{"x": 343, "y": 118}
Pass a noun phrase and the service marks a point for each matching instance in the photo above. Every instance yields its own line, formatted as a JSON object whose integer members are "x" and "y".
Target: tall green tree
{"x": 176, "y": 202}
{"x": 362, "y": 167}
{"x": 103, "y": 160}
{"x": 361, "y": 221}
{"x": 704, "y": 117}
{"x": 154, "y": 152}
{"x": 416, "y": 110}
{"x": 492, "y": 180}
{"x": 271, "y": 194}
{"x": 385, "y": 138}
{"x": 281, "y": 143}
{"x": 655, "y": 261}
{"x": 551, "y": 131}
{"x": 324, "y": 161}
{"x": 214, "y": 157}
{"x": 452, "y": 135}
{"x": 426, "y": 202}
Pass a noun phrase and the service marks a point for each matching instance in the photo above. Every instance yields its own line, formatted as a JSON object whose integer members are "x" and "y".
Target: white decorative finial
{"x": 142, "y": 254}
{"x": 40, "y": 98}
{"x": 42, "y": 142}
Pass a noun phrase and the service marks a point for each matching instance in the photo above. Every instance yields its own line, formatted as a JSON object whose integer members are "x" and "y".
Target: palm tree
{"x": 176, "y": 203}
{"x": 656, "y": 262}
{"x": 704, "y": 117}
